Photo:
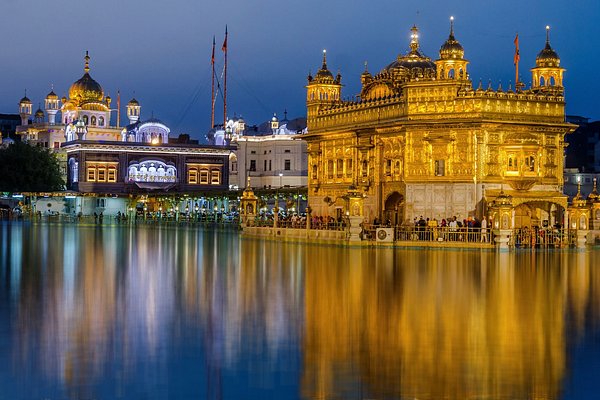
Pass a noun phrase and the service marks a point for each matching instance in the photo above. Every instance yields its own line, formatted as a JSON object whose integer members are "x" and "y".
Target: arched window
{"x": 542, "y": 81}
{"x": 552, "y": 81}
{"x": 93, "y": 120}
{"x": 314, "y": 171}
{"x": 193, "y": 176}
{"x": 330, "y": 169}
{"x": 530, "y": 162}
{"x": 101, "y": 121}
{"x": 215, "y": 177}
{"x": 204, "y": 174}
{"x": 85, "y": 119}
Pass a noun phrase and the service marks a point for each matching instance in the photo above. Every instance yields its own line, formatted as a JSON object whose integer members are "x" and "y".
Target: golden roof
{"x": 547, "y": 57}
{"x": 451, "y": 47}
{"x": 413, "y": 59}
{"x": 86, "y": 88}
{"x": 324, "y": 75}
{"x": 52, "y": 96}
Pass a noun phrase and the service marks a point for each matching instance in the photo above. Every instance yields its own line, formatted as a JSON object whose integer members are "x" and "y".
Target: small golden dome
{"x": 39, "y": 113}
{"x": 324, "y": 75}
{"x": 25, "y": 100}
{"x": 451, "y": 47}
{"x": 547, "y": 57}
{"x": 52, "y": 96}
{"x": 414, "y": 60}
{"x": 86, "y": 88}
{"x": 133, "y": 102}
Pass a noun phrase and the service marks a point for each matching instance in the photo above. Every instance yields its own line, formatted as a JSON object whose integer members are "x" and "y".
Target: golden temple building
{"x": 421, "y": 140}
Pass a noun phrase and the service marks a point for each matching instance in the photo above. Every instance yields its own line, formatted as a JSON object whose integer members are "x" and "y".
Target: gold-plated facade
{"x": 421, "y": 140}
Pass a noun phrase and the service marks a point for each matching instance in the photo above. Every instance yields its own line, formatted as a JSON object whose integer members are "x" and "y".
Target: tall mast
{"x": 516, "y": 61}
{"x": 118, "y": 108}
{"x": 212, "y": 97}
{"x": 225, "y": 82}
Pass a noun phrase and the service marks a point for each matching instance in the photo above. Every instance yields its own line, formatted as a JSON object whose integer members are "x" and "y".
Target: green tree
{"x": 25, "y": 168}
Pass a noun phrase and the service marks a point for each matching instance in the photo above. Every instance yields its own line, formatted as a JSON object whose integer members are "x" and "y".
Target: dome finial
{"x": 547, "y": 34}
{"x": 86, "y": 68}
{"x": 414, "y": 38}
{"x": 451, "y": 26}
{"x": 324, "y": 59}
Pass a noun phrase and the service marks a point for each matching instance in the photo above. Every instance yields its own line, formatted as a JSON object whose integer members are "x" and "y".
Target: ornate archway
{"x": 538, "y": 213}
{"x": 393, "y": 209}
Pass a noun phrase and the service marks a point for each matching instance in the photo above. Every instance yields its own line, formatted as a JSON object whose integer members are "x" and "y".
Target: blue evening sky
{"x": 161, "y": 50}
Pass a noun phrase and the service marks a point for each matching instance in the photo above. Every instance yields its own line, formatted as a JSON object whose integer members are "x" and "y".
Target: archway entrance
{"x": 394, "y": 209}
{"x": 541, "y": 214}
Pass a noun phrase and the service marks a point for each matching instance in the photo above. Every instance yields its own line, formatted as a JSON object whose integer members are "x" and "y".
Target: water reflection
{"x": 122, "y": 312}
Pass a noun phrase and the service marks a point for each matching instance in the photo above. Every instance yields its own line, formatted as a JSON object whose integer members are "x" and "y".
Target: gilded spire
{"x": 548, "y": 35}
{"x": 86, "y": 68}
{"x": 414, "y": 38}
{"x": 324, "y": 66}
{"x": 452, "y": 27}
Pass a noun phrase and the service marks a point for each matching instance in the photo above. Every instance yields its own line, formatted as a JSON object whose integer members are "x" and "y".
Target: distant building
{"x": 271, "y": 154}
{"x": 135, "y": 161}
{"x": 583, "y": 150}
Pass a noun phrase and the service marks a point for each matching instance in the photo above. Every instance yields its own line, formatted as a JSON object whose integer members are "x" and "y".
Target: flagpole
{"x": 225, "y": 82}
{"x": 118, "y": 108}
{"x": 517, "y": 57}
{"x": 212, "y": 96}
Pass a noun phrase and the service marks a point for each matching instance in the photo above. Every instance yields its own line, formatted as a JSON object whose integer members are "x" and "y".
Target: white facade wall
{"x": 278, "y": 160}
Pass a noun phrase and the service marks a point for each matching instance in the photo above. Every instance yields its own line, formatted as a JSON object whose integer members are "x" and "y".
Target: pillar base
{"x": 355, "y": 228}
{"x": 582, "y": 238}
{"x": 502, "y": 237}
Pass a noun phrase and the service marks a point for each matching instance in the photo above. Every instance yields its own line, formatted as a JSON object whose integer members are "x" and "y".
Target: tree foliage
{"x": 25, "y": 168}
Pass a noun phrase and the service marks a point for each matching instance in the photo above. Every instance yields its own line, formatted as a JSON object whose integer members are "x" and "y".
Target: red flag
{"x": 517, "y": 55}
{"x": 224, "y": 48}
{"x": 212, "y": 59}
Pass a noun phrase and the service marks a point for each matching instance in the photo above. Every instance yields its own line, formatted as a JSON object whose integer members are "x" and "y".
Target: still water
{"x": 162, "y": 313}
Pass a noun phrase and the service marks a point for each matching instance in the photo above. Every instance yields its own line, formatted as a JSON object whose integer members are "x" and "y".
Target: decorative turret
{"x": 593, "y": 197}
{"x": 323, "y": 89}
{"x": 38, "y": 117}
{"x": 274, "y": 124}
{"x": 51, "y": 104}
{"x": 547, "y": 75}
{"x": 451, "y": 64}
{"x": 80, "y": 129}
{"x": 25, "y": 109}
{"x": 133, "y": 111}
{"x": 366, "y": 77}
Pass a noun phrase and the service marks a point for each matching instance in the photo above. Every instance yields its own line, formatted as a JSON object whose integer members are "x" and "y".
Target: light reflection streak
{"x": 105, "y": 304}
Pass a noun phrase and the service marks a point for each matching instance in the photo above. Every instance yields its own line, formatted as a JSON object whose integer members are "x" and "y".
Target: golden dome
{"x": 324, "y": 75}
{"x": 86, "y": 88}
{"x": 133, "y": 102}
{"x": 413, "y": 61}
{"x": 39, "y": 113}
{"x": 451, "y": 47}
{"x": 547, "y": 57}
{"x": 25, "y": 100}
{"x": 52, "y": 96}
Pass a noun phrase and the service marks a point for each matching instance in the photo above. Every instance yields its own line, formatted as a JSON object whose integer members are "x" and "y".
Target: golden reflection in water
{"x": 441, "y": 325}
{"x": 378, "y": 323}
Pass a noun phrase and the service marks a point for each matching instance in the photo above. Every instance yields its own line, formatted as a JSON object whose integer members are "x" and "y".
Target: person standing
{"x": 484, "y": 237}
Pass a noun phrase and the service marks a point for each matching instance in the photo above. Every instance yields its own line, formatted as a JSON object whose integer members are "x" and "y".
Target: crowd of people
{"x": 470, "y": 229}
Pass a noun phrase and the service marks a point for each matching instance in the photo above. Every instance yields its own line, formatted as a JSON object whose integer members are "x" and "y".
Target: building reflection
{"x": 431, "y": 325}
{"x": 99, "y": 307}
